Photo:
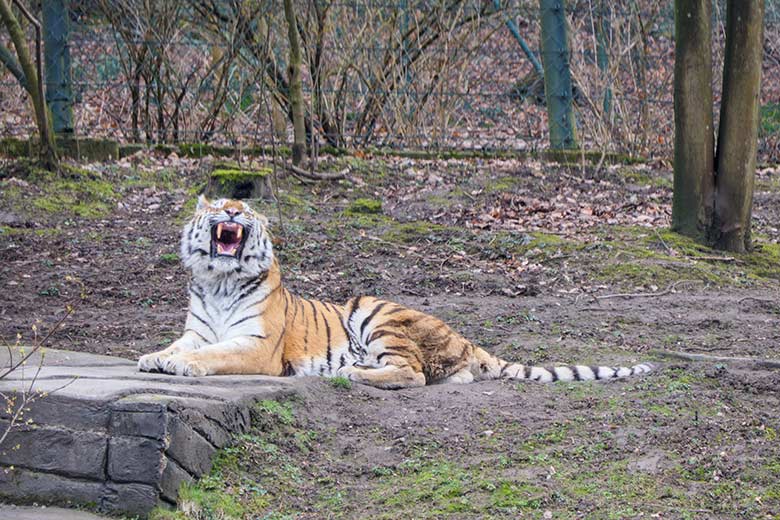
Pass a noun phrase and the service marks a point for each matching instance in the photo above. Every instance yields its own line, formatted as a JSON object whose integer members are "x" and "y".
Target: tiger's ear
{"x": 203, "y": 203}
{"x": 263, "y": 220}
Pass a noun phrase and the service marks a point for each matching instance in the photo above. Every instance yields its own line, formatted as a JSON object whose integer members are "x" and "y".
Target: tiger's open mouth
{"x": 227, "y": 239}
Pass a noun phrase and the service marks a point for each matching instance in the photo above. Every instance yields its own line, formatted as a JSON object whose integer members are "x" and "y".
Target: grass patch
{"x": 340, "y": 382}
{"x": 503, "y": 184}
{"x": 81, "y": 193}
{"x": 642, "y": 257}
{"x": 200, "y": 502}
{"x": 769, "y": 116}
{"x": 643, "y": 178}
{"x": 281, "y": 411}
{"x": 72, "y": 192}
{"x": 163, "y": 179}
{"x": 169, "y": 258}
{"x": 160, "y": 513}
{"x": 413, "y": 232}
{"x": 440, "y": 488}
{"x": 364, "y": 206}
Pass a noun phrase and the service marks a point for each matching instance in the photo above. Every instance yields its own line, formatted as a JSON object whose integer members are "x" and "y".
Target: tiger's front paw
{"x": 348, "y": 372}
{"x": 180, "y": 365}
{"x": 151, "y": 362}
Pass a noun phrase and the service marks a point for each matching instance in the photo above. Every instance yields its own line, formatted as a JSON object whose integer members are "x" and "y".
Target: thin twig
{"x": 754, "y": 362}
{"x": 398, "y": 247}
{"x": 666, "y": 291}
{"x": 713, "y": 258}
{"x": 315, "y": 176}
{"x": 38, "y": 345}
{"x": 748, "y": 298}
{"x": 666, "y": 246}
{"x": 600, "y": 163}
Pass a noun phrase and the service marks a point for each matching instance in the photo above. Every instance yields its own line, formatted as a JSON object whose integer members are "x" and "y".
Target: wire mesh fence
{"x": 431, "y": 74}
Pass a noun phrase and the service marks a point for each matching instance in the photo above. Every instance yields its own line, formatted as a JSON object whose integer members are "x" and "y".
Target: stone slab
{"x": 80, "y": 454}
{"x": 27, "y": 486}
{"x": 14, "y": 512}
{"x": 104, "y": 434}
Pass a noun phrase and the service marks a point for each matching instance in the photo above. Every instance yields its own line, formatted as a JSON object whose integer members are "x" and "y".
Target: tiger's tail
{"x": 492, "y": 367}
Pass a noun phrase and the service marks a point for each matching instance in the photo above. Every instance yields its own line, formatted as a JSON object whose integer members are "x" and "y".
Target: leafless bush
{"x": 423, "y": 73}
{"x": 16, "y": 403}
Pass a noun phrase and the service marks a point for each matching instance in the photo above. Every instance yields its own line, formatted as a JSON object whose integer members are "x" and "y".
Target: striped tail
{"x": 496, "y": 368}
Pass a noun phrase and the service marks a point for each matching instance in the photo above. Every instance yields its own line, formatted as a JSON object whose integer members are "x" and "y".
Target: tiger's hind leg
{"x": 390, "y": 377}
{"x": 463, "y": 376}
{"x": 402, "y": 367}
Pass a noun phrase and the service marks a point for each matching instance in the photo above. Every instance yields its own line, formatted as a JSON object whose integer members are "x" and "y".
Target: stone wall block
{"x": 187, "y": 447}
{"x": 136, "y": 459}
{"x": 66, "y": 452}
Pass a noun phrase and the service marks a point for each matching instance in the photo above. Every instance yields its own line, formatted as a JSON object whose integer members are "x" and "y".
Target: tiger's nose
{"x": 232, "y": 212}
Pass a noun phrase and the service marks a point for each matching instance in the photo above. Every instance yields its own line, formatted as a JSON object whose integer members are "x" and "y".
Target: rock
{"x": 236, "y": 183}
{"x": 13, "y": 220}
{"x": 116, "y": 437}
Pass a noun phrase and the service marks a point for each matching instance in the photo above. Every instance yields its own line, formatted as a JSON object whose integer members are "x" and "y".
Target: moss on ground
{"x": 21, "y": 232}
{"x": 646, "y": 178}
{"x": 412, "y": 232}
{"x": 72, "y": 192}
{"x": 502, "y": 184}
{"x": 79, "y": 192}
{"x": 641, "y": 256}
{"x": 364, "y": 206}
{"x": 163, "y": 179}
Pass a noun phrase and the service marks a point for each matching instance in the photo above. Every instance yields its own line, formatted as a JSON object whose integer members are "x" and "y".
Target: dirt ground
{"x": 536, "y": 262}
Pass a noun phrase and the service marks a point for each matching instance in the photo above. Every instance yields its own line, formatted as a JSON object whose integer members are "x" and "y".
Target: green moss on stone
{"x": 229, "y": 175}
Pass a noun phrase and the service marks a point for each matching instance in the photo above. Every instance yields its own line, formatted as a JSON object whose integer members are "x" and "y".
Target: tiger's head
{"x": 226, "y": 238}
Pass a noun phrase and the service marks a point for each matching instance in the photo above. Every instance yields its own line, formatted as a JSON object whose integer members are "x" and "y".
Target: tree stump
{"x": 234, "y": 183}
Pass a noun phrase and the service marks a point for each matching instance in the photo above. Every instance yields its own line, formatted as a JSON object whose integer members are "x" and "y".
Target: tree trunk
{"x": 738, "y": 132}
{"x": 296, "y": 87}
{"x": 557, "y": 74}
{"x": 693, "y": 125}
{"x": 7, "y": 59}
{"x": 59, "y": 94}
{"x": 135, "y": 106}
{"x": 48, "y": 147}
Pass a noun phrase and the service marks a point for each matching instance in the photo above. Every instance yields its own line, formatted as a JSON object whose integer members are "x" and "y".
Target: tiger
{"x": 242, "y": 320}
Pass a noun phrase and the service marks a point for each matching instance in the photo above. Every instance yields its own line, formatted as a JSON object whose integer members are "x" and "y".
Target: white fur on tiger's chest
{"x": 220, "y": 311}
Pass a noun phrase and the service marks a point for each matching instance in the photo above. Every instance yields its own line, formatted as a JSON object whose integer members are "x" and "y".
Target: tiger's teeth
{"x": 219, "y": 231}
{"x": 240, "y": 232}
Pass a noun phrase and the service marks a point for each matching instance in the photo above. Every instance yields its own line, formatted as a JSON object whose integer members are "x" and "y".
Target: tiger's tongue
{"x": 227, "y": 249}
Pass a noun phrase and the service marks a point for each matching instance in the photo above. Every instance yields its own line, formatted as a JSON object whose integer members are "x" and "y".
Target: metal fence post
{"x": 59, "y": 94}
{"x": 557, "y": 74}
{"x": 602, "y": 57}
